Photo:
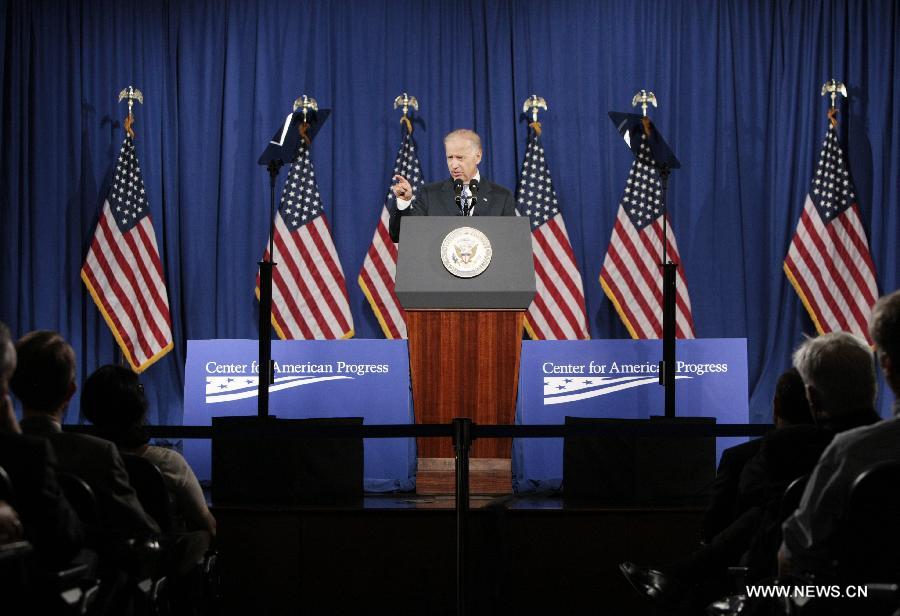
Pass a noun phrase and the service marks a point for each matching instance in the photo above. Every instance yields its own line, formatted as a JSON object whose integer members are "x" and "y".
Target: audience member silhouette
{"x": 809, "y": 533}
{"x": 783, "y": 455}
{"x": 44, "y": 381}
{"x": 113, "y": 400}
{"x": 789, "y": 408}
{"x": 10, "y": 526}
{"x": 42, "y": 514}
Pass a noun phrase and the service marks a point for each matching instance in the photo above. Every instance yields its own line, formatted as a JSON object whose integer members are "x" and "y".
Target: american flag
{"x": 557, "y": 312}
{"x": 380, "y": 265}
{"x": 631, "y": 275}
{"x": 123, "y": 271}
{"x": 828, "y": 261}
{"x": 309, "y": 294}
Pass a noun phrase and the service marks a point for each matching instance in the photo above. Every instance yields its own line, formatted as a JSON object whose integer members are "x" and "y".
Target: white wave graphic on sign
{"x": 563, "y": 389}
{"x": 229, "y": 388}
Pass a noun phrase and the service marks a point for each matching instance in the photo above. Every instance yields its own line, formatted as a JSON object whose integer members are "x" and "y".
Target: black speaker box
{"x": 257, "y": 462}
{"x": 624, "y": 468}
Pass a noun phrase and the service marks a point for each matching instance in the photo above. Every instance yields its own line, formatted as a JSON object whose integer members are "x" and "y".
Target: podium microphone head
{"x": 457, "y": 187}
{"x": 473, "y": 185}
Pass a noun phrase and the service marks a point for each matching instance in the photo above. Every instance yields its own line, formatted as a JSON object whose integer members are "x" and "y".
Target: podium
{"x": 465, "y": 333}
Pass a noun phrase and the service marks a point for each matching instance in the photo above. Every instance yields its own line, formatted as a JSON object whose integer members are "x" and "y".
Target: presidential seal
{"x": 466, "y": 252}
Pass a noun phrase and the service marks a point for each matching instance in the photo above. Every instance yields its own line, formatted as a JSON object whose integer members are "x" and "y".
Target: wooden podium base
{"x": 465, "y": 364}
{"x": 486, "y": 476}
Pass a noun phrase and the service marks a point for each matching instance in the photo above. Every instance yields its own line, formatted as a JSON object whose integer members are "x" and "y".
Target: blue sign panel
{"x": 313, "y": 378}
{"x": 619, "y": 379}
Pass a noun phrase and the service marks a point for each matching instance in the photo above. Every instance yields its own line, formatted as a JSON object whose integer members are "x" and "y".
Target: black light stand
{"x": 462, "y": 442}
{"x": 282, "y": 147}
{"x": 266, "y": 365}
{"x": 664, "y": 161}
{"x": 669, "y": 270}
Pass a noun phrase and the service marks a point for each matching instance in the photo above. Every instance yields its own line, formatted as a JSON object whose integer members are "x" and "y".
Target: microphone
{"x": 473, "y": 188}
{"x": 457, "y": 188}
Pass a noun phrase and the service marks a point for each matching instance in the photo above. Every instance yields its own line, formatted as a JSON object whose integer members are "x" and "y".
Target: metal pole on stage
{"x": 266, "y": 366}
{"x": 669, "y": 270}
{"x": 281, "y": 149}
{"x": 462, "y": 440}
{"x": 645, "y": 142}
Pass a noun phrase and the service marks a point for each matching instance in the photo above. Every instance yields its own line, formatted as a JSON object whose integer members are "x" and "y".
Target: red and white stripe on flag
{"x": 123, "y": 274}
{"x": 632, "y": 278}
{"x": 309, "y": 293}
{"x": 377, "y": 277}
{"x": 828, "y": 261}
{"x": 122, "y": 270}
{"x": 379, "y": 269}
{"x": 832, "y": 271}
{"x": 558, "y": 310}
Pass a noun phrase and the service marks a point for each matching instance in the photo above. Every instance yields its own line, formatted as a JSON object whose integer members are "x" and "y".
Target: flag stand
{"x": 635, "y": 128}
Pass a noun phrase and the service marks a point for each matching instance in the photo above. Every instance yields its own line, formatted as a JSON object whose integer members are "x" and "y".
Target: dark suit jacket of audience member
{"x": 98, "y": 462}
{"x": 722, "y": 510}
{"x": 51, "y": 525}
{"x": 784, "y": 455}
{"x": 438, "y": 199}
{"x": 789, "y": 453}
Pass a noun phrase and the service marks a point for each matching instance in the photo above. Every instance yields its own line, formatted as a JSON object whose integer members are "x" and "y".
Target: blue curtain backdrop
{"x": 738, "y": 84}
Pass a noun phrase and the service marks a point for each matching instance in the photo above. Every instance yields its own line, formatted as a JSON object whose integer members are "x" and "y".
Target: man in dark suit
{"x": 478, "y": 197}
{"x": 845, "y": 370}
{"x": 44, "y": 381}
{"x": 789, "y": 408}
{"x": 811, "y": 536}
{"x": 47, "y": 520}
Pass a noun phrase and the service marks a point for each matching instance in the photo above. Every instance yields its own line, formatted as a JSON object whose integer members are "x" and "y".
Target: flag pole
{"x": 130, "y": 94}
{"x": 405, "y": 101}
{"x": 834, "y": 87}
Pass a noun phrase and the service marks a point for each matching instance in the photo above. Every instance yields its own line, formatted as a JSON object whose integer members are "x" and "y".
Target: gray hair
{"x": 841, "y": 367}
{"x": 7, "y": 356}
{"x": 464, "y": 133}
{"x": 885, "y": 326}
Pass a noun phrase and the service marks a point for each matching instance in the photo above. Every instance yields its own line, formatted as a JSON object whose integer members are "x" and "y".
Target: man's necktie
{"x": 465, "y": 197}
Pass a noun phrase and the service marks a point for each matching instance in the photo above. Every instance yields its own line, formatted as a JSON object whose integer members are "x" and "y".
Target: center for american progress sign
{"x": 619, "y": 379}
{"x": 370, "y": 379}
{"x": 343, "y": 378}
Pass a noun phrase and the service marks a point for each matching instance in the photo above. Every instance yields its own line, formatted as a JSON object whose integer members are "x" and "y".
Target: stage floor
{"x": 396, "y": 554}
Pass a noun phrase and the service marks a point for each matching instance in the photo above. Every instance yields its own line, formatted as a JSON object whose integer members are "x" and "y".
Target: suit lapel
{"x": 449, "y": 199}
{"x": 484, "y": 202}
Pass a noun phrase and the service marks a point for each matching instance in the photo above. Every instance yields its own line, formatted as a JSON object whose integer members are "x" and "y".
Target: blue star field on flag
{"x": 126, "y": 197}
{"x": 535, "y": 195}
{"x": 300, "y": 201}
{"x": 642, "y": 200}
{"x": 832, "y": 188}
